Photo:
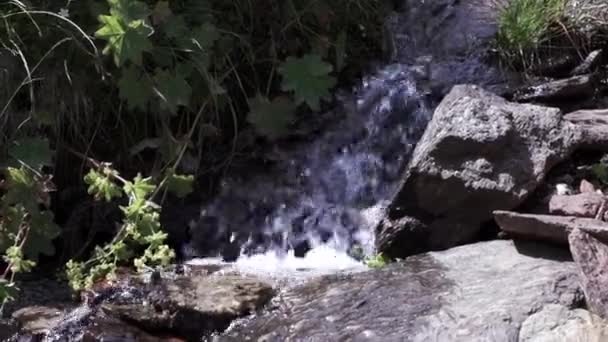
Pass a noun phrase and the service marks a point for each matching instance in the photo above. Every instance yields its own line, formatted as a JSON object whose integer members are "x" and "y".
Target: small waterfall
{"x": 328, "y": 192}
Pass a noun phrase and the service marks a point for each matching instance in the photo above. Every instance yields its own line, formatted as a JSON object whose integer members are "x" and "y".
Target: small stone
{"x": 37, "y": 320}
{"x": 586, "y": 186}
{"x": 585, "y": 204}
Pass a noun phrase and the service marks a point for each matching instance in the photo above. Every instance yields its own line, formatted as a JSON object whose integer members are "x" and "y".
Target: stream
{"x": 314, "y": 211}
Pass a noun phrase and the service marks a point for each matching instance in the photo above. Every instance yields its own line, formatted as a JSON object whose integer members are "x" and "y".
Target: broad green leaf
{"x": 308, "y": 77}
{"x": 173, "y": 89}
{"x": 161, "y": 12}
{"x": 205, "y": 36}
{"x": 21, "y": 187}
{"x": 33, "y": 152}
{"x": 163, "y": 57}
{"x": 600, "y": 171}
{"x": 42, "y": 232}
{"x": 134, "y": 88}
{"x": 185, "y": 69}
{"x": 8, "y": 290}
{"x": 271, "y": 119}
{"x": 180, "y": 185}
{"x": 127, "y": 41}
{"x": 129, "y": 10}
{"x": 175, "y": 27}
{"x": 10, "y": 224}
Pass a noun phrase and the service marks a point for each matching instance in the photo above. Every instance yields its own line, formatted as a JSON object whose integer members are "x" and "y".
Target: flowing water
{"x": 314, "y": 210}
{"x": 323, "y": 199}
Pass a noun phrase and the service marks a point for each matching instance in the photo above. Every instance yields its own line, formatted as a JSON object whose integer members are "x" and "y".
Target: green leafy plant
{"x": 377, "y": 261}
{"x": 180, "y": 80}
{"x": 27, "y": 228}
{"x": 140, "y": 230}
{"x": 600, "y": 171}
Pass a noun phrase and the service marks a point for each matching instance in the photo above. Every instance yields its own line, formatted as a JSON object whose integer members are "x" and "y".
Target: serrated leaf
{"x": 101, "y": 186}
{"x": 33, "y": 152}
{"x": 271, "y": 119}
{"x": 127, "y": 41}
{"x": 43, "y": 231}
{"x": 134, "y": 88}
{"x": 308, "y": 77}
{"x": 173, "y": 89}
{"x": 180, "y": 185}
{"x": 21, "y": 187}
{"x": 129, "y": 10}
{"x": 140, "y": 187}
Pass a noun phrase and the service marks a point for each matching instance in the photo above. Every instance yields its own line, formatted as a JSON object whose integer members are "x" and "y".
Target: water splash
{"x": 328, "y": 192}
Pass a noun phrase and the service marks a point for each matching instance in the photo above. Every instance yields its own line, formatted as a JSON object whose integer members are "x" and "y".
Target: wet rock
{"x": 577, "y": 87}
{"x": 480, "y": 153}
{"x": 547, "y": 227}
{"x": 37, "y": 320}
{"x": 593, "y": 125}
{"x": 557, "y": 323}
{"x": 591, "y": 62}
{"x": 191, "y": 307}
{"x": 107, "y": 328}
{"x": 559, "y": 65}
{"x": 586, "y": 187}
{"x": 479, "y": 292}
{"x": 8, "y": 329}
{"x": 591, "y": 256}
{"x": 582, "y": 205}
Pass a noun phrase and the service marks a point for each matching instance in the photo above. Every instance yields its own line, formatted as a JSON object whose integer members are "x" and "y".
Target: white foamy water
{"x": 321, "y": 260}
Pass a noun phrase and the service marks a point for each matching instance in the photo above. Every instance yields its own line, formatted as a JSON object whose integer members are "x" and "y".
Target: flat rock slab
{"x": 479, "y": 292}
{"x": 591, "y": 256}
{"x": 551, "y": 228}
{"x": 560, "y": 90}
{"x": 192, "y": 307}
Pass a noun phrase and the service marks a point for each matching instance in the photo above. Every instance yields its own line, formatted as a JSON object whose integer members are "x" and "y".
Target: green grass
{"x": 524, "y": 25}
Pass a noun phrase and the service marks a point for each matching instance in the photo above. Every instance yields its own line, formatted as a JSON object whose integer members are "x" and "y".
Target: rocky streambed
{"x": 493, "y": 211}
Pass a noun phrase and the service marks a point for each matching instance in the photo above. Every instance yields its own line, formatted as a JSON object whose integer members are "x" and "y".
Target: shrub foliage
{"x": 154, "y": 85}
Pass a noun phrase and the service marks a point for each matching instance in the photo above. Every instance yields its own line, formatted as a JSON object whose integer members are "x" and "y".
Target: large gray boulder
{"x": 480, "y": 292}
{"x": 480, "y": 153}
